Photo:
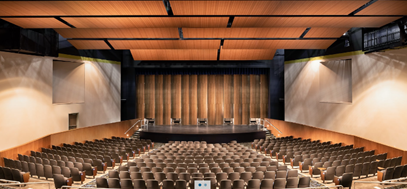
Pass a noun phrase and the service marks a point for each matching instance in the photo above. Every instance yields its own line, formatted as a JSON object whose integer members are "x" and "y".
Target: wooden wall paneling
{"x": 159, "y": 112}
{"x": 69, "y": 137}
{"x": 140, "y": 100}
{"x": 219, "y": 100}
{"x": 193, "y": 99}
{"x": 185, "y": 110}
{"x": 254, "y": 96}
{"x": 167, "y": 99}
{"x": 212, "y": 99}
{"x": 176, "y": 96}
{"x": 264, "y": 95}
{"x": 202, "y": 96}
{"x": 228, "y": 96}
{"x": 25, "y": 149}
{"x": 149, "y": 94}
{"x": 377, "y": 147}
{"x": 245, "y": 99}
{"x": 237, "y": 99}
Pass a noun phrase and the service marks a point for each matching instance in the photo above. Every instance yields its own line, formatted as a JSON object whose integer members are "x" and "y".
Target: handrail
{"x": 132, "y": 126}
{"x": 81, "y": 187}
{"x": 387, "y": 182}
{"x": 273, "y": 126}
{"x": 20, "y": 185}
{"x": 9, "y": 181}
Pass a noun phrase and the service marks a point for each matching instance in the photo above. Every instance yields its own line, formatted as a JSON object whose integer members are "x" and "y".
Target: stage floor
{"x": 210, "y": 133}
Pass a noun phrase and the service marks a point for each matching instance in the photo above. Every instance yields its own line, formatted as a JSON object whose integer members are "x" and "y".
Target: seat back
{"x": 304, "y": 182}
{"x": 292, "y": 182}
{"x": 101, "y": 183}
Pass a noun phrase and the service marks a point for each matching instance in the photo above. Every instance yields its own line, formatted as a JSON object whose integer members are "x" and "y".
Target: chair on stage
{"x": 202, "y": 121}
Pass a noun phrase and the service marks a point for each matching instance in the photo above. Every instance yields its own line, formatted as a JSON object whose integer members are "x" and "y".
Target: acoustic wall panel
{"x": 245, "y": 99}
{"x": 228, "y": 98}
{"x": 276, "y": 32}
{"x": 176, "y": 96}
{"x": 83, "y": 8}
{"x": 159, "y": 101}
{"x": 261, "y": 7}
{"x": 255, "y": 96}
{"x": 344, "y": 22}
{"x": 237, "y": 96}
{"x": 212, "y": 99}
{"x": 140, "y": 87}
{"x": 167, "y": 99}
{"x": 185, "y": 100}
{"x": 264, "y": 95}
{"x": 202, "y": 96}
{"x": 219, "y": 115}
{"x": 146, "y": 22}
{"x": 193, "y": 99}
{"x": 149, "y": 96}
{"x": 205, "y": 96}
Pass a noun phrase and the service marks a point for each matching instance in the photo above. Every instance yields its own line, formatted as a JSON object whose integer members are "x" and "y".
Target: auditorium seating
{"x": 178, "y": 164}
{"x": 334, "y": 160}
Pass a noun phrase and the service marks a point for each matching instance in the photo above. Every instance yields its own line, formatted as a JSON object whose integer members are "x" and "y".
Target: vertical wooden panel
{"x": 176, "y": 96}
{"x": 228, "y": 96}
{"x": 140, "y": 96}
{"x": 264, "y": 95}
{"x": 149, "y": 95}
{"x": 212, "y": 99}
{"x": 159, "y": 99}
{"x": 237, "y": 96}
{"x": 185, "y": 100}
{"x": 219, "y": 100}
{"x": 202, "y": 96}
{"x": 245, "y": 99}
{"x": 193, "y": 99}
{"x": 254, "y": 96}
{"x": 167, "y": 99}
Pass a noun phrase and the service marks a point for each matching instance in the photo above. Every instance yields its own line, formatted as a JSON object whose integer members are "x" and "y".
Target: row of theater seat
{"x": 390, "y": 173}
{"x": 13, "y": 174}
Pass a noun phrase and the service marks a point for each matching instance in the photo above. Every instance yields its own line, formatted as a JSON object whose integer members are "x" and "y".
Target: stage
{"x": 210, "y": 133}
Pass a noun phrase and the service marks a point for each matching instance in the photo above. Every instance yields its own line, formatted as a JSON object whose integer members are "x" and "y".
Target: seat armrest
{"x": 380, "y": 176}
{"x": 26, "y": 176}
{"x": 337, "y": 180}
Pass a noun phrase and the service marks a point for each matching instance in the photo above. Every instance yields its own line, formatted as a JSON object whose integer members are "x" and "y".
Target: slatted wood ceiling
{"x": 36, "y": 22}
{"x": 247, "y": 54}
{"x": 277, "y": 44}
{"x": 119, "y": 33}
{"x": 312, "y": 21}
{"x": 387, "y": 7}
{"x": 243, "y": 32}
{"x": 147, "y": 22}
{"x": 89, "y": 44}
{"x": 71, "y": 8}
{"x": 265, "y": 7}
{"x": 174, "y": 54}
{"x": 165, "y": 44}
{"x": 326, "y": 32}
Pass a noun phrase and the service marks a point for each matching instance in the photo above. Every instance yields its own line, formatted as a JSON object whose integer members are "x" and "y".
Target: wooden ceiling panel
{"x": 89, "y": 44}
{"x": 277, "y": 44}
{"x": 247, "y": 54}
{"x": 312, "y": 21}
{"x": 147, "y": 22}
{"x": 325, "y": 32}
{"x": 36, "y": 22}
{"x": 174, "y": 54}
{"x": 119, "y": 33}
{"x": 387, "y": 7}
{"x": 80, "y": 7}
{"x": 264, "y": 7}
{"x": 165, "y": 44}
{"x": 242, "y": 32}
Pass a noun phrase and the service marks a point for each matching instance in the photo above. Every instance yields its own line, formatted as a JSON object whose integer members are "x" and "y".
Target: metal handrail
{"x": 132, "y": 126}
{"x": 387, "y": 182}
{"x": 81, "y": 187}
{"x": 273, "y": 126}
{"x": 20, "y": 185}
{"x": 9, "y": 181}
